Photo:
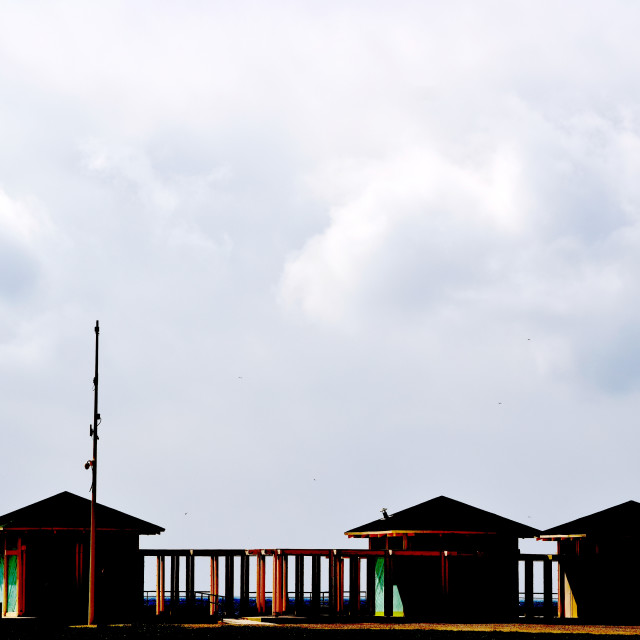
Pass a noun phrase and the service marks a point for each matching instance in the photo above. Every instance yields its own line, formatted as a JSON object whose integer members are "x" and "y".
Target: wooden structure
{"x": 296, "y": 582}
{"x": 598, "y": 565}
{"x": 44, "y": 556}
{"x": 446, "y": 560}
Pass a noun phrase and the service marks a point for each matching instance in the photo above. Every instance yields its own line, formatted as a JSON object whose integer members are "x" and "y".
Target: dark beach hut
{"x": 447, "y": 560}
{"x": 44, "y": 560}
{"x": 599, "y": 564}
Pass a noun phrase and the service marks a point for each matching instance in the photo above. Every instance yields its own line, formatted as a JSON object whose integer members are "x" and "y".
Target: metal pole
{"x": 94, "y": 487}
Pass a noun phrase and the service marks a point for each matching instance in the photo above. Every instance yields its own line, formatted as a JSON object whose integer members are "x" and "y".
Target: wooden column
{"x": 339, "y": 584}
{"x": 276, "y": 603}
{"x": 190, "y": 579}
{"x": 284, "y": 594}
{"x": 175, "y": 582}
{"x": 388, "y": 584}
{"x": 160, "y": 562}
{"x": 261, "y": 599}
{"x": 315, "y": 585}
{"x": 547, "y": 579}
{"x": 332, "y": 583}
{"x": 299, "y": 586}
{"x": 561, "y": 594}
{"x": 244, "y": 584}
{"x": 228, "y": 585}
{"x": 215, "y": 586}
{"x": 275, "y": 591}
{"x": 280, "y": 593}
{"x": 354, "y": 585}
{"x": 371, "y": 585}
{"x": 444, "y": 569}
{"x": 528, "y": 588}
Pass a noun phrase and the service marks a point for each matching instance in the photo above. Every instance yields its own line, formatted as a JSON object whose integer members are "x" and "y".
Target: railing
{"x": 356, "y": 589}
{"x": 209, "y": 601}
{"x": 546, "y": 604}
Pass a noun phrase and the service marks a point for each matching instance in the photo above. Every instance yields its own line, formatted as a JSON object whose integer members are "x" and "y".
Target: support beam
{"x": 160, "y": 563}
{"x": 528, "y": 588}
{"x": 276, "y": 603}
{"x": 444, "y": 575}
{"x": 339, "y": 584}
{"x": 299, "y": 586}
{"x": 371, "y": 585}
{"x": 215, "y": 586}
{"x": 547, "y": 580}
{"x": 388, "y": 584}
{"x": 190, "y": 594}
{"x": 261, "y": 599}
{"x": 333, "y": 596}
{"x": 175, "y": 582}
{"x": 284, "y": 593}
{"x": 354, "y": 586}
{"x": 229, "y": 585}
{"x": 561, "y": 595}
{"x": 315, "y": 585}
{"x": 244, "y": 584}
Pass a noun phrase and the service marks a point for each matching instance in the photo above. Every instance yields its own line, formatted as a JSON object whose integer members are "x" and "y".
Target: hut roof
{"x": 623, "y": 519}
{"x": 442, "y": 515}
{"x": 67, "y": 511}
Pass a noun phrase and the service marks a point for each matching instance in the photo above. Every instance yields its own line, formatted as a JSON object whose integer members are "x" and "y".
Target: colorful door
{"x": 11, "y": 596}
{"x": 379, "y": 592}
{"x": 12, "y": 585}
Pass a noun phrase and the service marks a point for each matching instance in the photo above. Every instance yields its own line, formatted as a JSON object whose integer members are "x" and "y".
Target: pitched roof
{"x": 622, "y": 519}
{"x": 440, "y": 515}
{"x": 69, "y": 511}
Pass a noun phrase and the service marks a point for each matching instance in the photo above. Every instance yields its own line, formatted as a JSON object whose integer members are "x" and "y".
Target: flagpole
{"x": 94, "y": 486}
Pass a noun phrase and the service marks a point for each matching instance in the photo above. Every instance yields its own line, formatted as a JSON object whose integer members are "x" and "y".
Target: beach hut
{"x": 599, "y": 564}
{"x": 446, "y": 560}
{"x": 44, "y": 560}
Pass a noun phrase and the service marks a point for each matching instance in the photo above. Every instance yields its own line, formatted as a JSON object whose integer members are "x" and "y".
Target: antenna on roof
{"x": 93, "y": 465}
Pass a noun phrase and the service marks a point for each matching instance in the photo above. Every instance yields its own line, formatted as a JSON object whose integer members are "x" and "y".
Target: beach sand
{"x": 247, "y": 630}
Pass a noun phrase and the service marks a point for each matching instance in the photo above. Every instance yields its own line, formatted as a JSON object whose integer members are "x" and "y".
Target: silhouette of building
{"x": 447, "y": 560}
{"x": 44, "y": 560}
{"x": 598, "y": 565}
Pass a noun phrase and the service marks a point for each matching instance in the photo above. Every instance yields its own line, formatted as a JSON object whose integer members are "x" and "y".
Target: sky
{"x": 344, "y": 256}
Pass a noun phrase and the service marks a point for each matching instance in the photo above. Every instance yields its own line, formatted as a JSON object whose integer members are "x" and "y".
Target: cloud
{"x": 22, "y": 228}
{"x": 302, "y": 225}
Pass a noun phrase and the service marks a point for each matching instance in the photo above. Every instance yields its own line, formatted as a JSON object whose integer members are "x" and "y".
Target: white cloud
{"x": 421, "y": 188}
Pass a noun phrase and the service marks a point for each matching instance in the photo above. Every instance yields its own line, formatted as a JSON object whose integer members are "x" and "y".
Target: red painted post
{"x": 332, "y": 582}
{"x": 160, "y": 562}
{"x": 284, "y": 594}
{"x": 276, "y": 606}
{"x": 215, "y": 583}
{"x": 339, "y": 585}
{"x": 261, "y": 600}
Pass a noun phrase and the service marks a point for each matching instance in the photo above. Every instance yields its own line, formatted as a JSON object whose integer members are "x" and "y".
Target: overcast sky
{"x": 344, "y": 255}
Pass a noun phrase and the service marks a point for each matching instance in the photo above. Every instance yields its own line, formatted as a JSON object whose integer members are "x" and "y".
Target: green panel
{"x": 1, "y": 579}
{"x": 379, "y": 586}
{"x": 398, "y": 610}
{"x": 12, "y": 584}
